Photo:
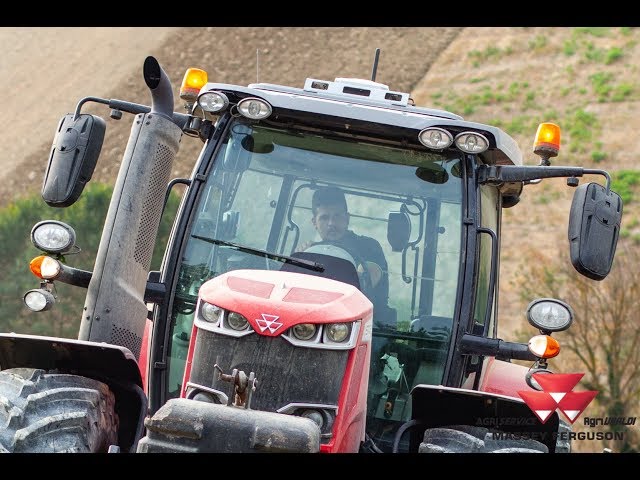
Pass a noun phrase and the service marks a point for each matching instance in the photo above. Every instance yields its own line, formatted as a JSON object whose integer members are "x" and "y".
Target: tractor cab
{"x": 250, "y": 208}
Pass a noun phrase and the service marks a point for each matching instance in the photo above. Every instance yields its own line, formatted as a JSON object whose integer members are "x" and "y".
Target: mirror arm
{"x": 604, "y": 173}
{"x": 498, "y": 174}
{"x": 179, "y": 119}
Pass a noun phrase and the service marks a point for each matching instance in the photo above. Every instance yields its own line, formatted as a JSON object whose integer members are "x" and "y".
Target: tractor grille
{"x": 285, "y": 373}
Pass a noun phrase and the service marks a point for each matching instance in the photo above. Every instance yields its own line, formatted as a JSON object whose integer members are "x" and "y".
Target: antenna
{"x": 375, "y": 65}
{"x": 257, "y": 65}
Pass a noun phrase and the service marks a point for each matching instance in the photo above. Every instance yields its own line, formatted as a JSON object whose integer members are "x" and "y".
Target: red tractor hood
{"x": 280, "y": 299}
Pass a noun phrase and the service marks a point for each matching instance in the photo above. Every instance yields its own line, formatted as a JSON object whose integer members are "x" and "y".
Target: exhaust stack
{"x": 114, "y": 310}
{"x": 160, "y": 86}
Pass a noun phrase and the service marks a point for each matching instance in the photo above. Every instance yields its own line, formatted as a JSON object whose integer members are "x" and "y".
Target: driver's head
{"x": 330, "y": 215}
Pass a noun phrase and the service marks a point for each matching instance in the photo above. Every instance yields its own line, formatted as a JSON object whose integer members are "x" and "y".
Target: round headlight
{"x": 38, "y": 300}
{"x": 237, "y": 321}
{"x": 304, "y": 331}
{"x": 436, "y": 138}
{"x": 337, "y": 332}
{"x": 211, "y": 313}
{"x": 254, "y": 108}
{"x": 471, "y": 142}
{"x": 53, "y": 237}
{"x": 549, "y": 314}
{"x": 213, "y": 102}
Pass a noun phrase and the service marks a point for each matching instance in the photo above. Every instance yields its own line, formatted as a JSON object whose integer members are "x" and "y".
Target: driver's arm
{"x": 375, "y": 272}
{"x": 376, "y": 262}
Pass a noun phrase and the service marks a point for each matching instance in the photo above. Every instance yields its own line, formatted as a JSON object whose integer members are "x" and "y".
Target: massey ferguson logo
{"x": 557, "y": 393}
{"x": 268, "y": 322}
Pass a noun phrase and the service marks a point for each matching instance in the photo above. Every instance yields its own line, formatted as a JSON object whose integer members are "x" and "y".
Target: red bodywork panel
{"x": 273, "y": 302}
{"x": 504, "y": 378}
{"x": 143, "y": 362}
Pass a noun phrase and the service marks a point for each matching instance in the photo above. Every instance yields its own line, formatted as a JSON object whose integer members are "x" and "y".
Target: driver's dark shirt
{"x": 362, "y": 249}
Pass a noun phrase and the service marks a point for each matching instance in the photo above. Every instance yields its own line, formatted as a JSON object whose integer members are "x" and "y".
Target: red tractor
{"x": 246, "y": 340}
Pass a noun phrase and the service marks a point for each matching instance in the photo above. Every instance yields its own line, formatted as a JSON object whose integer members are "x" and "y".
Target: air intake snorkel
{"x": 160, "y": 87}
{"x": 115, "y": 310}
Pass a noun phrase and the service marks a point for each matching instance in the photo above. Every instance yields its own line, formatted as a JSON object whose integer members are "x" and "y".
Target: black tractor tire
{"x": 47, "y": 412}
{"x": 472, "y": 439}
{"x": 563, "y": 442}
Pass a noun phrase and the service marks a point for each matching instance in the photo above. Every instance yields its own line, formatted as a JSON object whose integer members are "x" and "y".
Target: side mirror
{"x": 250, "y": 144}
{"x": 398, "y": 230}
{"x": 433, "y": 174}
{"x": 594, "y": 226}
{"x": 73, "y": 158}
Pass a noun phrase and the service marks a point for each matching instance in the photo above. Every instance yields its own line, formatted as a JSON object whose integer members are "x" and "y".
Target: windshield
{"x": 259, "y": 194}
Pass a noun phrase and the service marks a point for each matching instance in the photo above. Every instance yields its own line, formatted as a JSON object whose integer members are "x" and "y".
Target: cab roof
{"x": 370, "y": 101}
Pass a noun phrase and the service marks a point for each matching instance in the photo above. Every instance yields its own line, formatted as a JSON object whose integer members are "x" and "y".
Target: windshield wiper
{"x": 299, "y": 262}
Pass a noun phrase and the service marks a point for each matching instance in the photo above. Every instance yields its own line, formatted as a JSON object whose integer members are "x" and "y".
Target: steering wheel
{"x": 335, "y": 250}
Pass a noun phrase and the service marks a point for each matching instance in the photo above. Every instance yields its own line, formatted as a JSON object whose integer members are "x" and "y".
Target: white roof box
{"x": 355, "y": 87}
